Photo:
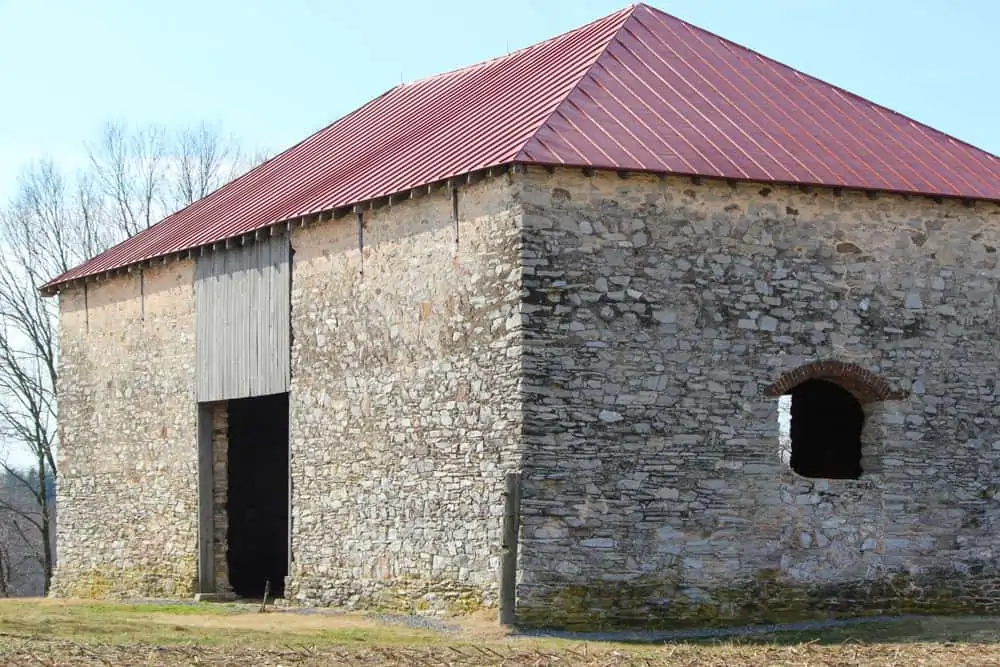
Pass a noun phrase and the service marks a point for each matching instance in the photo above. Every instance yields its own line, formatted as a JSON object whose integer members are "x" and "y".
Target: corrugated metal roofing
{"x": 636, "y": 90}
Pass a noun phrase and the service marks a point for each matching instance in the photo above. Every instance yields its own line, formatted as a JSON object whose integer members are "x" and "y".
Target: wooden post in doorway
{"x": 206, "y": 500}
{"x": 508, "y": 557}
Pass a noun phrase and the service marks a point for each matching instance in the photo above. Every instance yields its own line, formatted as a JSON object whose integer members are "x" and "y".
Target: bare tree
{"x": 21, "y": 561}
{"x": 205, "y": 160}
{"x": 129, "y": 167}
{"x": 5, "y": 544}
{"x": 45, "y": 231}
{"x": 92, "y": 231}
{"x": 52, "y": 224}
{"x": 146, "y": 173}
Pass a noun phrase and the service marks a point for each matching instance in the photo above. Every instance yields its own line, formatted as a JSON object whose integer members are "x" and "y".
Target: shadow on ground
{"x": 868, "y": 630}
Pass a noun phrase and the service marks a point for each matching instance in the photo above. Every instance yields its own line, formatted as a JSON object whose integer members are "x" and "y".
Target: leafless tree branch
{"x": 55, "y": 221}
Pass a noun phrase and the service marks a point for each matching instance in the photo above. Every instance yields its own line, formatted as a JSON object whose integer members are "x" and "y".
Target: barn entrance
{"x": 257, "y": 503}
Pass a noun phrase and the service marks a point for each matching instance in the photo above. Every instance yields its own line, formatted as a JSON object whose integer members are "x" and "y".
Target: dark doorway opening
{"x": 826, "y": 431}
{"x": 257, "y": 505}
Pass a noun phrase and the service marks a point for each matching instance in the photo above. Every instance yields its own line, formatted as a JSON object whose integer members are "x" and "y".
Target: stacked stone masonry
{"x": 220, "y": 496}
{"x": 656, "y": 316}
{"x": 127, "y": 489}
{"x": 622, "y": 342}
{"x": 405, "y": 409}
{"x": 404, "y": 418}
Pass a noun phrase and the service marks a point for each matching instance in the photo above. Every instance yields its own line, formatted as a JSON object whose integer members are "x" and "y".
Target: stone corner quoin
{"x": 622, "y": 343}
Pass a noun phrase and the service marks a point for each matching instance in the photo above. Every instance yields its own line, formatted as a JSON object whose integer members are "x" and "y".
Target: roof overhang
{"x": 278, "y": 227}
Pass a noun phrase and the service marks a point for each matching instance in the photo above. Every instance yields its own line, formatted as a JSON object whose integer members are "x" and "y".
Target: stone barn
{"x": 634, "y": 327}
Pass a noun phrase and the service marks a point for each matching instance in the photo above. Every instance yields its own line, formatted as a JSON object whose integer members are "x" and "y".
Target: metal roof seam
{"x": 774, "y": 62}
{"x": 722, "y": 77}
{"x": 735, "y": 144}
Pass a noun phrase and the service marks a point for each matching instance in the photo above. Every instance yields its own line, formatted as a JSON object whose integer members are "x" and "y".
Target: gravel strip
{"x": 416, "y": 621}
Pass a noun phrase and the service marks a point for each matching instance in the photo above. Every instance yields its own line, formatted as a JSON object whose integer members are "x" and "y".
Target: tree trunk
{"x": 46, "y": 532}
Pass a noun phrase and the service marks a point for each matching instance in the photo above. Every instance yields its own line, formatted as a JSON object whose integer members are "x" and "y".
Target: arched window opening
{"x": 825, "y": 431}
{"x": 820, "y": 417}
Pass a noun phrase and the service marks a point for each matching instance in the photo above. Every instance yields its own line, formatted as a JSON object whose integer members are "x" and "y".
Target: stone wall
{"x": 625, "y": 341}
{"x": 127, "y": 460}
{"x": 405, "y": 410}
{"x": 220, "y": 496}
{"x": 656, "y": 314}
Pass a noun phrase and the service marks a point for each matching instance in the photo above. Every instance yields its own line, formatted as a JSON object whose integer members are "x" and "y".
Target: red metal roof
{"x": 636, "y": 90}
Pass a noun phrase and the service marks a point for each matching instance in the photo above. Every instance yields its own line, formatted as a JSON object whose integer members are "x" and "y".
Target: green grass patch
{"x": 237, "y": 632}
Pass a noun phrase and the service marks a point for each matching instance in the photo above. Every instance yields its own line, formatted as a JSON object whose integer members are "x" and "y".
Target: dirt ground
{"x": 56, "y": 633}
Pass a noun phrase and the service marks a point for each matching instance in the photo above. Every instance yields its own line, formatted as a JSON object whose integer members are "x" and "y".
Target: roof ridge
{"x": 495, "y": 59}
{"x": 856, "y": 96}
{"x": 624, "y": 16}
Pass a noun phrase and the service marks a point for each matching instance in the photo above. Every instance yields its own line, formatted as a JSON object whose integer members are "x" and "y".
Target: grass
{"x": 51, "y": 632}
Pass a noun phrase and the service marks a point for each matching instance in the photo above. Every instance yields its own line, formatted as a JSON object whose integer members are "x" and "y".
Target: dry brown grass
{"x": 57, "y": 633}
{"x": 59, "y": 652}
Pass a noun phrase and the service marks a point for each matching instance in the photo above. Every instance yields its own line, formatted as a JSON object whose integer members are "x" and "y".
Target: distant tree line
{"x": 57, "y": 218}
{"x": 22, "y": 560}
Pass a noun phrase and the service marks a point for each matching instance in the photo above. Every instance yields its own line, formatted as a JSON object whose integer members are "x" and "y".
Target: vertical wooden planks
{"x": 243, "y": 320}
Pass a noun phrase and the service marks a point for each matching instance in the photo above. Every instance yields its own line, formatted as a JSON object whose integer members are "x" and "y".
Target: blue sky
{"x": 273, "y": 72}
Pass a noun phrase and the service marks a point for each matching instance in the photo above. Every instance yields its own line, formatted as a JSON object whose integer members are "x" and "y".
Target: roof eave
{"x": 588, "y": 169}
{"x": 55, "y": 286}
{"x": 59, "y": 284}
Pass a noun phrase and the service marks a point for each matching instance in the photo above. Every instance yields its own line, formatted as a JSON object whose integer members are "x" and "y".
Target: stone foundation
{"x": 663, "y": 604}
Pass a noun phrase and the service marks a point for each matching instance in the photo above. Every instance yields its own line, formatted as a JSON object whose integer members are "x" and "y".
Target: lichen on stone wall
{"x": 662, "y": 604}
{"x": 159, "y": 580}
{"x": 403, "y": 594}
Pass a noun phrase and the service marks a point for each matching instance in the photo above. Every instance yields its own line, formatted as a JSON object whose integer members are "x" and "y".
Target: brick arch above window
{"x": 864, "y": 385}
